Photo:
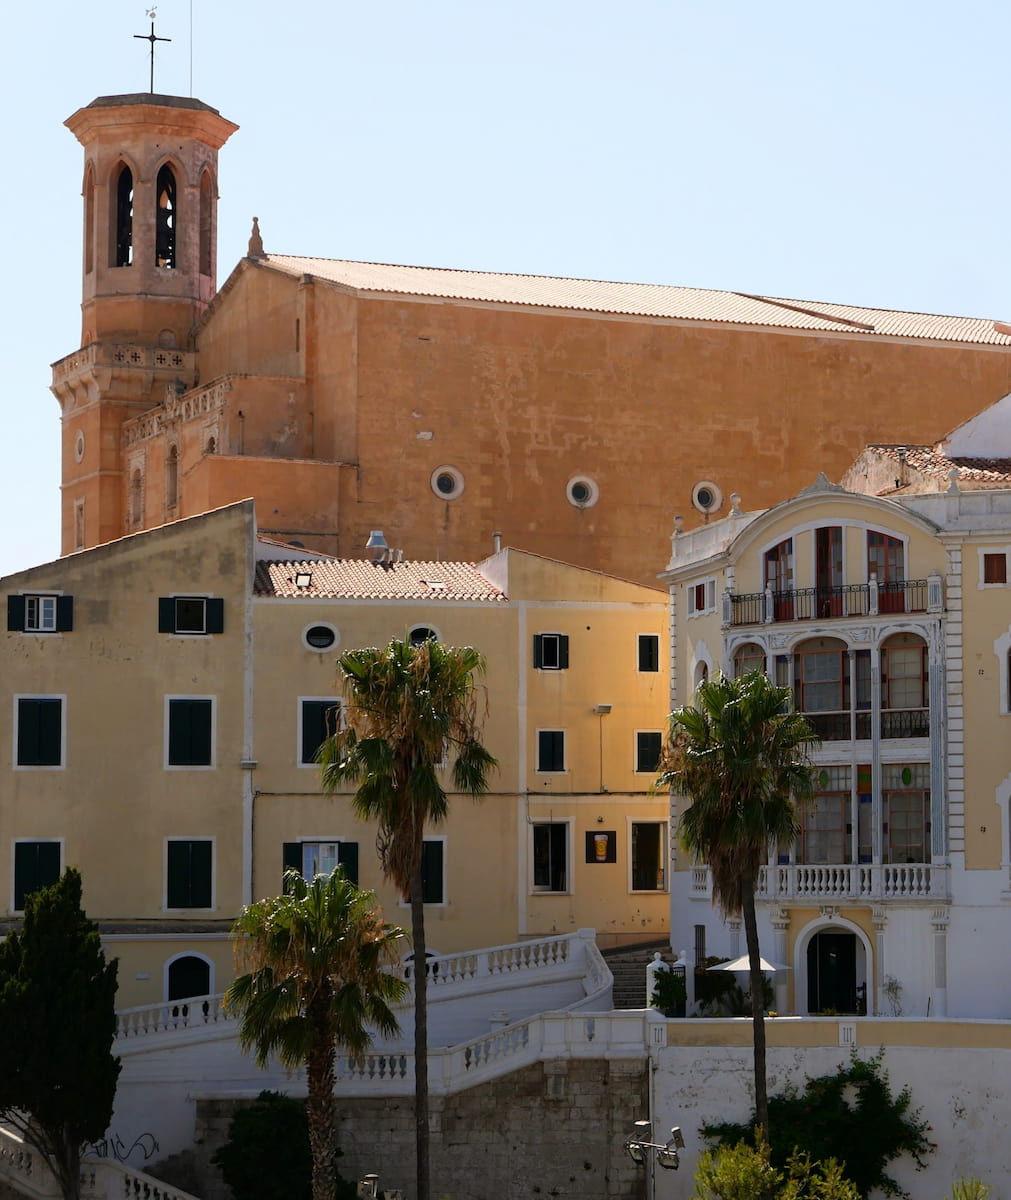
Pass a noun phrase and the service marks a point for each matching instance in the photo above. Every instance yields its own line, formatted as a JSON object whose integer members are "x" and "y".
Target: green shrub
{"x": 669, "y": 992}
{"x": 850, "y": 1116}
{"x": 744, "y": 1172}
{"x": 267, "y": 1154}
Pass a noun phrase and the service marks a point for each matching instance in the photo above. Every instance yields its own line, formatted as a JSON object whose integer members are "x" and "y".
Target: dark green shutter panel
{"x": 189, "y": 875}
{"x": 201, "y": 869}
{"x": 431, "y": 872}
{"x": 313, "y": 728}
{"x": 64, "y": 613}
{"x": 177, "y": 889}
{"x": 291, "y": 858}
{"x": 563, "y": 651}
{"x": 215, "y": 615}
{"x": 648, "y": 751}
{"x": 347, "y": 857}
{"x": 36, "y": 865}
{"x": 166, "y": 614}
{"x": 649, "y": 652}
{"x": 189, "y": 733}
{"x": 40, "y": 732}
{"x": 16, "y": 613}
{"x": 538, "y": 651}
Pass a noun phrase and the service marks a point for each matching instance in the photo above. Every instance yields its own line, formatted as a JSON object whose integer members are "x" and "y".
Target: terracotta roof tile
{"x": 359, "y": 579}
{"x": 639, "y": 299}
{"x": 929, "y": 461}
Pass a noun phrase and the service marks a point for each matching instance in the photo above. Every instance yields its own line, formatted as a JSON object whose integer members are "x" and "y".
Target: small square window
{"x": 189, "y": 873}
{"x": 649, "y": 652}
{"x": 647, "y": 750}
{"x": 190, "y": 731}
{"x": 36, "y": 865}
{"x": 191, "y": 614}
{"x": 551, "y": 651}
{"x": 39, "y": 731}
{"x": 551, "y": 750}
{"x": 995, "y": 568}
{"x": 701, "y": 597}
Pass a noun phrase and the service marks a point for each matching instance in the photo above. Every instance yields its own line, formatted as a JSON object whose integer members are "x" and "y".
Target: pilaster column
{"x": 939, "y": 921}
{"x": 880, "y": 919}
{"x": 780, "y": 928}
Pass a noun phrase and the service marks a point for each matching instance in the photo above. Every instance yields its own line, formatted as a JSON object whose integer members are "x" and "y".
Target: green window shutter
{"x": 40, "y": 732}
{"x": 647, "y": 751}
{"x": 16, "y": 613}
{"x": 36, "y": 865}
{"x": 551, "y": 750}
{"x": 538, "y": 650}
{"x": 166, "y": 614}
{"x": 432, "y": 884}
{"x": 190, "y": 732}
{"x": 347, "y": 857}
{"x": 291, "y": 858}
{"x": 563, "y": 652}
{"x": 64, "y": 614}
{"x": 215, "y": 615}
{"x": 189, "y": 874}
{"x": 318, "y": 722}
{"x": 649, "y": 652}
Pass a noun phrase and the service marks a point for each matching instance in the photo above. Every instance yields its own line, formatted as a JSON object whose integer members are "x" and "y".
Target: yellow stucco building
{"x": 167, "y": 693}
{"x": 577, "y": 417}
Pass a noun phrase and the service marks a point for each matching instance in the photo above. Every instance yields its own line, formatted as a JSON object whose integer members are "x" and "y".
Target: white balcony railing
{"x": 841, "y": 881}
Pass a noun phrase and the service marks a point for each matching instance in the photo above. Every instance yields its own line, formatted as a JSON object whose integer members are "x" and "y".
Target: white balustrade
{"x": 170, "y": 1015}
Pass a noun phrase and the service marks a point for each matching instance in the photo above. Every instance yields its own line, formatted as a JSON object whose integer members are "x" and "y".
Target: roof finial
{"x": 152, "y": 38}
{"x": 255, "y": 241}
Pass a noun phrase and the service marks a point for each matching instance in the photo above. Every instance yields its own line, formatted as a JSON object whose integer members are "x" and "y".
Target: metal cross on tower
{"x": 152, "y": 38}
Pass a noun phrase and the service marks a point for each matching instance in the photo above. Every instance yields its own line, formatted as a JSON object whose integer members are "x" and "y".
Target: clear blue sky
{"x": 853, "y": 152}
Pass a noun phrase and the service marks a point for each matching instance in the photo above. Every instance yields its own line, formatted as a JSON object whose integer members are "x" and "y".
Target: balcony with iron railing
{"x": 856, "y": 726}
{"x": 834, "y": 603}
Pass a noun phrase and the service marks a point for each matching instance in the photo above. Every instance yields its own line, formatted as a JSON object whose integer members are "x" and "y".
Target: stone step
{"x": 628, "y": 966}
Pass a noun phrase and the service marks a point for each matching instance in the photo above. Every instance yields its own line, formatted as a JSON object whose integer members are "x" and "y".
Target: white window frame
{"x": 46, "y": 623}
{"x": 982, "y": 552}
{"x": 62, "y": 764}
{"x": 557, "y": 641}
{"x": 194, "y": 837}
{"x": 212, "y": 765}
{"x": 334, "y": 702}
{"x": 638, "y": 643}
{"x": 569, "y": 857}
{"x": 20, "y": 840}
{"x": 709, "y": 596}
{"x": 177, "y": 596}
{"x": 664, "y": 849}
{"x": 417, "y": 627}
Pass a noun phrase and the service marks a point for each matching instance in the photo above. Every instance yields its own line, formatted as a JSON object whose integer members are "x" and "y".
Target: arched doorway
{"x": 832, "y": 973}
{"x": 188, "y": 976}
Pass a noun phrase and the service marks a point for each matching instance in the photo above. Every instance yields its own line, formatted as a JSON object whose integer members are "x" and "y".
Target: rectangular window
{"x": 190, "y": 740}
{"x": 433, "y": 871}
{"x": 649, "y": 856}
{"x": 649, "y": 652}
{"x": 191, "y": 614}
{"x": 906, "y": 812}
{"x": 825, "y": 819}
{"x": 551, "y": 852}
{"x": 38, "y": 731}
{"x": 40, "y": 613}
{"x": 320, "y": 858}
{"x": 551, "y": 750}
{"x": 701, "y": 597}
{"x": 995, "y": 568}
{"x": 36, "y": 865}
{"x": 647, "y": 750}
{"x": 317, "y": 720}
{"x": 551, "y": 651}
{"x": 189, "y": 873}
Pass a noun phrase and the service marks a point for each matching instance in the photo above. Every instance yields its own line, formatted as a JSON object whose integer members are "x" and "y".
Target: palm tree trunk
{"x": 422, "y": 1133}
{"x": 321, "y": 1109}
{"x": 757, "y": 1006}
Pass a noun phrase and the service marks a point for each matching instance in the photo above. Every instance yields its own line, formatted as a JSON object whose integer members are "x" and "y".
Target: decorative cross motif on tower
{"x": 150, "y": 37}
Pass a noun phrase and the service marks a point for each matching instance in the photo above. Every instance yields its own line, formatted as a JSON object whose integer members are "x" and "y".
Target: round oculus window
{"x": 447, "y": 483}
{"x": 706, "y": 496}
{"x": 582, "y": 491}
{"x": 320, "y": 637}
{"x": 422, "y": 633}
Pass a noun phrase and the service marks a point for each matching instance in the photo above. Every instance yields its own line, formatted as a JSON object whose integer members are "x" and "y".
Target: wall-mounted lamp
{"x": 602, "y": 709}
{"x": 638, "y": 1146}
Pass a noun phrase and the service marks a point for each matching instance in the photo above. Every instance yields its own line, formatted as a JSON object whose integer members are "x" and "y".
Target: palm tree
{"x": 740, "y": 754}
{"x": 314, "y": 979}
{"x": 409, "y": 709}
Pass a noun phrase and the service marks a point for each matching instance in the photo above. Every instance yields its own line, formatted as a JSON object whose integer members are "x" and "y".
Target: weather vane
{"x": 150, "y": 37}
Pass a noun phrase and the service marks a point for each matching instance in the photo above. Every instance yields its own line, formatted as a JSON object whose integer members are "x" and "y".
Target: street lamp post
{"x": 644, "y": 1152}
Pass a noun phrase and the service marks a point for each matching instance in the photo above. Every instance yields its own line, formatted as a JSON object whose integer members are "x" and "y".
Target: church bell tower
{"x": 149, "y": 271}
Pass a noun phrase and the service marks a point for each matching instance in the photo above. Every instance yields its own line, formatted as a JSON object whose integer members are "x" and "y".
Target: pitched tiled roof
{"x": 639, "y": 299}
{"x": 359, "y": 579}
{"x": 929, "y": 461}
